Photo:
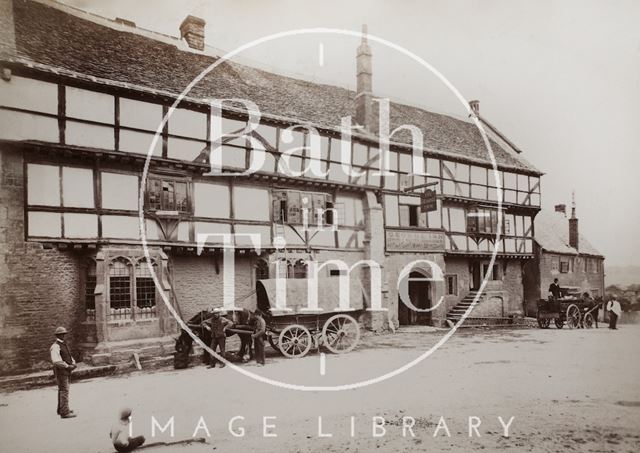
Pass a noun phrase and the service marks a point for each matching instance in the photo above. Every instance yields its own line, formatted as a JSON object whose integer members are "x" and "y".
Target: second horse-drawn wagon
{"x": 570, "y": 309}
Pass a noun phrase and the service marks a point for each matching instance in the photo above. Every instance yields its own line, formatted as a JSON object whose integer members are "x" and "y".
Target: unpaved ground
{"x": 568, "y": 391}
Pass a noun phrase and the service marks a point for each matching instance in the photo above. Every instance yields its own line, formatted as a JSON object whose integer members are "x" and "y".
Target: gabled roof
{"x": 552, "y": 234}
{"x": 49, "y": 34}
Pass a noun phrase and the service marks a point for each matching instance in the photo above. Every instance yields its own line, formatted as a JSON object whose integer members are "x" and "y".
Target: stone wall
{"x": 39, "y": 289}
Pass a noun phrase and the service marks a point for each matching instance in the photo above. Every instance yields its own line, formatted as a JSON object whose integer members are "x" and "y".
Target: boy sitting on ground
{"x": 120, "y": 435}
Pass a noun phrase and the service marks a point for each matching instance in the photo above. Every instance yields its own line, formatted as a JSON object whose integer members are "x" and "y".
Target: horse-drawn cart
{"x": 296, "y": 330}
{"x": 571, "y": 310}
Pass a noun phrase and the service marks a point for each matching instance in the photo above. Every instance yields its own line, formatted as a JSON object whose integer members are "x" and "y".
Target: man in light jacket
{"x": 614, "y": 309}
{"x": 63, "y": 365}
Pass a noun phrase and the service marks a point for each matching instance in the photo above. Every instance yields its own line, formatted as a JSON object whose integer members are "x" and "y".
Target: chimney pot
{"x": 127, "y": 22}
{"x": 574, "y": 236}
{"x": 364, "y": 84}
{"x": 192, "y": 31}
{"x": 475, "y": 106}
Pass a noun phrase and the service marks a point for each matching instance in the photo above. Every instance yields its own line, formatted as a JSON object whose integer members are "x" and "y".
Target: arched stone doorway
{"x": 417, "y": 287}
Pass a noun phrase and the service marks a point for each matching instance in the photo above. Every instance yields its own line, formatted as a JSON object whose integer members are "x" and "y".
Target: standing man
{"x": 218, "y": 326}
{"x": 258, "y": 337}
{"x": 614, "y": 309}
{"x": 554, "y": 289}
{"x": 63, "y": 365}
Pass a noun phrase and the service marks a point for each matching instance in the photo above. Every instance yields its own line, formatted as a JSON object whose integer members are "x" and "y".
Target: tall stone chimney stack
{"x": 364, "y": 85}
{"x": 192, "y": 31}
{"x": 574, "y": 237}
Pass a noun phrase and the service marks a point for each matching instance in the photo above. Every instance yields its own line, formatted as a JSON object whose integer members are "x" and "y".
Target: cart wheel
{"x": 544, "y": 323}
{"x": 573, "y": 316}
{"x": 340, "y": 334}
{"x": 559, "y": 323}
{"x": 295, "y": 341}
{"x": 588, "y": 321}
{"x": 273, "y": 341}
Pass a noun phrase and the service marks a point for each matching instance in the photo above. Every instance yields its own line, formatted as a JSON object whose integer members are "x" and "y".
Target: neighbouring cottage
{"x": 562, "y": 252}
{"x": 81, "y": 98}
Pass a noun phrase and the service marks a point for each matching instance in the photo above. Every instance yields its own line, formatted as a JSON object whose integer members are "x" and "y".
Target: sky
{"x": 561, "y": 79}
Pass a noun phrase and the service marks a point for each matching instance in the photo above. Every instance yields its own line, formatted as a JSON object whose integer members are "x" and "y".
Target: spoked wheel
{"x": 273, "y": 341}
{"x": 340, "y": 334}
{"x": 559, "y": 323}
{"x": 295, "y": 341}
{"x": 544, "y": 323}
{"x": 573, "y": 316}
{"x": 588, "y": 321}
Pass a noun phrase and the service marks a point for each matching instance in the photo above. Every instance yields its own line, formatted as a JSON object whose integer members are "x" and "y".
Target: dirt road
{"x": 566, "y": 390}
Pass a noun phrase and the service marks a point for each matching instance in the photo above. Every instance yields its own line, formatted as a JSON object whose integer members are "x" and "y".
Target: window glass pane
{"x": 77, "y": 187}
{"x": 509, "y": 180}
{"x": 231, "y": 126}
{"x": 478, "y": 175}
{"x": 188, "y": 123}
{"x": 433, "y": 218}
{"x": 534, "y": 184}
{"x": 404, "y": 215}
{"x": 462, "y": 189}
{"x": 479, "y": 192}
{"x": 433, "y": 167}
{"x": 448, "y": 187}
{"x": 405, "y": 162}
{"x": 43, "y": 184}
{"x": 462, "y": 172}
{"x": 523, "y": 183}
{"x": 391, "y": 181}
{"x": 493, "y": 176}
{"x": 336, "y": 173}
{"x": 324, "y": 141}
{"x": 393, "y": 160}
{"x": 360, "y": 154}
{"x": 509, "y": 196}
{"x": 448, "y": 169}
{"x": 391, "y": 210}
{"x": 457, "y": 219}
{"x": 291, "y": 140}
{"x": 268, "y": 133}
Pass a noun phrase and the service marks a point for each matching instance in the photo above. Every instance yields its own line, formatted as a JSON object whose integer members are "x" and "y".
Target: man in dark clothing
{"x": 217, "y": 325}
{"x": 63, "y": 365}
{"x": 258, "y": 337}
{"x": 554, "y": 289}
{"x": 244, "y": 320}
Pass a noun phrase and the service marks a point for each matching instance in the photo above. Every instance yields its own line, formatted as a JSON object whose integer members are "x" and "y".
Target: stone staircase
{"x": 457, "y": 311}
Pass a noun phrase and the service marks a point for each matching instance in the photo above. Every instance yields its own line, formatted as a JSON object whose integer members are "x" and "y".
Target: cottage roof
{"x": 552, "y": 234}
{"x": 55, "y": 36}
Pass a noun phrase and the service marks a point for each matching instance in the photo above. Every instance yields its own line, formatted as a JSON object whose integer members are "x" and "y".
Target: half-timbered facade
{"x": 79, "y": 119}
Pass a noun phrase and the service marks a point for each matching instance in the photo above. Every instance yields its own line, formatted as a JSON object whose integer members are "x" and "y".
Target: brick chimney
{"x": 573, "y": 225}
{"x": 364, "y": 85}
{"x": 192, "y": 31}
{"x": 562, "y": 208}
{"x": 475, "y": 106}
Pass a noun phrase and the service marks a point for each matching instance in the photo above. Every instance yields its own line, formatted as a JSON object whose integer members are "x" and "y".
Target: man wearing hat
{"x": 63, "y": 365}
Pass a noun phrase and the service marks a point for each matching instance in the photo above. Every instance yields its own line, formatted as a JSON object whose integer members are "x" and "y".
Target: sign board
{"x": 414, "y": 241}
{"x": 428, "y": 201}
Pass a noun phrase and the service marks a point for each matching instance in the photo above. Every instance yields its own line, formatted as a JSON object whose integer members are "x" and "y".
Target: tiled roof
{"x": 51, "y": 36}
{"x": 552, "y": 234}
